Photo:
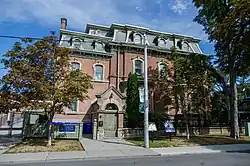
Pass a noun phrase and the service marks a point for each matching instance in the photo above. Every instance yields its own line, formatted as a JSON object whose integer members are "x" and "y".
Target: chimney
{"x": 63, "y": 23}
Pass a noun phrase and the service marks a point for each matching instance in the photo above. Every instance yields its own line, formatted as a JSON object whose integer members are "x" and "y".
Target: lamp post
{"x": 146, "y": 135}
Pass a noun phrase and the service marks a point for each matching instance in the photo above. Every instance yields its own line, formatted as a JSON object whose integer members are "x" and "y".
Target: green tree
{"x": 133, "y": 101}
{"x": 192, "y": 85}
{"x": 39, "y": 76}
{"x": 227, "y": 24}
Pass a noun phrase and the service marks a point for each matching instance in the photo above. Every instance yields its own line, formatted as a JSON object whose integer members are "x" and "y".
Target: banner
{"x": 141, "y": 95}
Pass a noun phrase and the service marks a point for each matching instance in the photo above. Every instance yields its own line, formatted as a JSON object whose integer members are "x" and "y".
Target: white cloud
{"x": 81, "y": 12}
{"x": 180, "y": 6}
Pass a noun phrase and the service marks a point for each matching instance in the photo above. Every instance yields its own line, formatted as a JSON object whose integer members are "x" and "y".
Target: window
{"x": 137, "y": 39}
{"x": 162, "y": 69}
{"x": 162, "y": 43}
{"x": 77, "y": 43}
{"x": 185, "y": 46}
{"x": 74, "y": 106}
{"x": 138, "y": 67}
{"x": 98, "y": 72}
{"x": 75, "y": 66}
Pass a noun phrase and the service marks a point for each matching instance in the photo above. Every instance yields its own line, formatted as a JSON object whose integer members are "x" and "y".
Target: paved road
{"x": 218, "y": 159}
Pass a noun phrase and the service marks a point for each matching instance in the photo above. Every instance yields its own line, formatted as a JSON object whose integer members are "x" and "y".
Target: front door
{"x": 110, "y": 124}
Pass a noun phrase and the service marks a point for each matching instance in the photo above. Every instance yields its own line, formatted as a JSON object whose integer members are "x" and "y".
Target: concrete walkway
{"x": 93, "y": 150}
{"x": 114, "y": 147}
{"x": 202, "y": 149}
{"x": 6, "y": 142}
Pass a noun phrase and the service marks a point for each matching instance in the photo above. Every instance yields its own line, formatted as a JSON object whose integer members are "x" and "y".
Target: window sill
{"x": 100, "y": 81}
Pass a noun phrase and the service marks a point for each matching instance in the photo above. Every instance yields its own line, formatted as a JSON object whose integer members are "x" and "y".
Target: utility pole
{"x": 146, "y": 136}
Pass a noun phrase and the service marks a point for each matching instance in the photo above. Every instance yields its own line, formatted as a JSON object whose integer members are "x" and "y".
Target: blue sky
{"x": 36, "y": 18}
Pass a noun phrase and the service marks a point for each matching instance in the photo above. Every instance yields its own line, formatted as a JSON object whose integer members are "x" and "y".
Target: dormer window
{"x": 162, "y": 43}
{"x": 137, "y": 39}
{"x": 98, "y": 46}
{"x": 185, "y": 46}
{"x": 77, "y": 43}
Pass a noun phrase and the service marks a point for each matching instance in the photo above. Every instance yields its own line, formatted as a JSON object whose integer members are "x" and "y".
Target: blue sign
{"x": 169, "y": 127}
{"x": 67, "y": 128}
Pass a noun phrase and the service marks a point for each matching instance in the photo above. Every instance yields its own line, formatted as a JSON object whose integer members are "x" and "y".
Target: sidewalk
{"x": 116, "y": 149}
{"x": 202, "y": 149}
{"x": 93, "y": 150}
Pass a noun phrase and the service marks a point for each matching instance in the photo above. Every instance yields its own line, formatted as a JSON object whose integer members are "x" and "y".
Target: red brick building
{"x": 109, "y": 54}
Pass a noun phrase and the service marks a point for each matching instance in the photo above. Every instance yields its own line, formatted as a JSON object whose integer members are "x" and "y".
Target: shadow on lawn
{"x": 204, "y": 140}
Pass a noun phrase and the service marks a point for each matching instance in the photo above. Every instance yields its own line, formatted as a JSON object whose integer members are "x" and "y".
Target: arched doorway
{"x": 110, "y": 120}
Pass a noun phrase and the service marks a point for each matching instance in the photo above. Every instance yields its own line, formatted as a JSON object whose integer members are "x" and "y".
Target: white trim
{"x": 73, "y": 44}
{"x": 198, "y": 48}
{"x": 133, "y": 64}
{"x": 164, "y": 42}
{"x": 75, "y": 61}
{"x": 103, "y": 70}
{"x": 77, "y": 107}
{"x": 142, "y": 38}
{"x": 99, "y": 42}
{"x": 128, "y": 34}
{"x": 83, "y": 33}
{"x": 184, "y": 41}
{"x": 115, "y": 31}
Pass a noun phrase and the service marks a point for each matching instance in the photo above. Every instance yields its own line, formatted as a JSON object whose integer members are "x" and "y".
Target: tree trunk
{"x": 234, "y": 104}
{"x": 49, "y": 135}
{"x": 11, "y": 123}
{"x": 187, "y": 129}
{"x": 50, "y": 129}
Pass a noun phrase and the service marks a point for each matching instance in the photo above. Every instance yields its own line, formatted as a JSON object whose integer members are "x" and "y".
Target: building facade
{"x": 109, "y": 54}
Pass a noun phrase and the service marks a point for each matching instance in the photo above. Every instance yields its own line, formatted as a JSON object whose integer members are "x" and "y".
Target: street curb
{"x": 81, "y": 159}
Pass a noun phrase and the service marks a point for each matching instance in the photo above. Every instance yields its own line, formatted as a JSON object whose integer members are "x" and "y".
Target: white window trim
{"x": 74, "y": 42}
{"x": 77, "y": 108}
{"x": 192, "y": 50}
{"x": 103, "y": 71}
{"x": 99, "y": 43}
{"x": 142, "y": 39}
{"x": 160, "y": 63}
{"x": 133, "y": 64}
{"x": 164, "y": 42}
{"x": 75, "y": 61}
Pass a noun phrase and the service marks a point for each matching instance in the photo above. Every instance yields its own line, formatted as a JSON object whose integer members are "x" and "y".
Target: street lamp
{"x": 146, "y": 135}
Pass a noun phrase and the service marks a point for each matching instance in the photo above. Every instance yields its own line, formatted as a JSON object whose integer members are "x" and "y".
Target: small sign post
{"x": 151, "y": 129}
{"x": 169, "y": 128}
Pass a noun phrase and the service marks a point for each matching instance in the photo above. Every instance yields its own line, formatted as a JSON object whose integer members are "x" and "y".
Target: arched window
{"x": 77, "y": 43}
{"x": 162, "y": 43}
{"x": 111, "y": 106}
{"x": 162, "y": 69}
{"x": 75, "y": 66}
{"x": 137, "y": 39}
{"x": 185, "y": 46}
{"x": 138, "y": 66}
{"x": 98, "y": 72}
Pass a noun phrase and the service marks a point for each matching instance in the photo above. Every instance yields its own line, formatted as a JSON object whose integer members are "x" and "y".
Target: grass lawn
{"x": 194, "y": 141}
{"x": 40, "y": 145}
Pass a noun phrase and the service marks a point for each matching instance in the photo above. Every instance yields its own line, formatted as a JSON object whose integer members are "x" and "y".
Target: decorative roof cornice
{"x": 83, "y": 34}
